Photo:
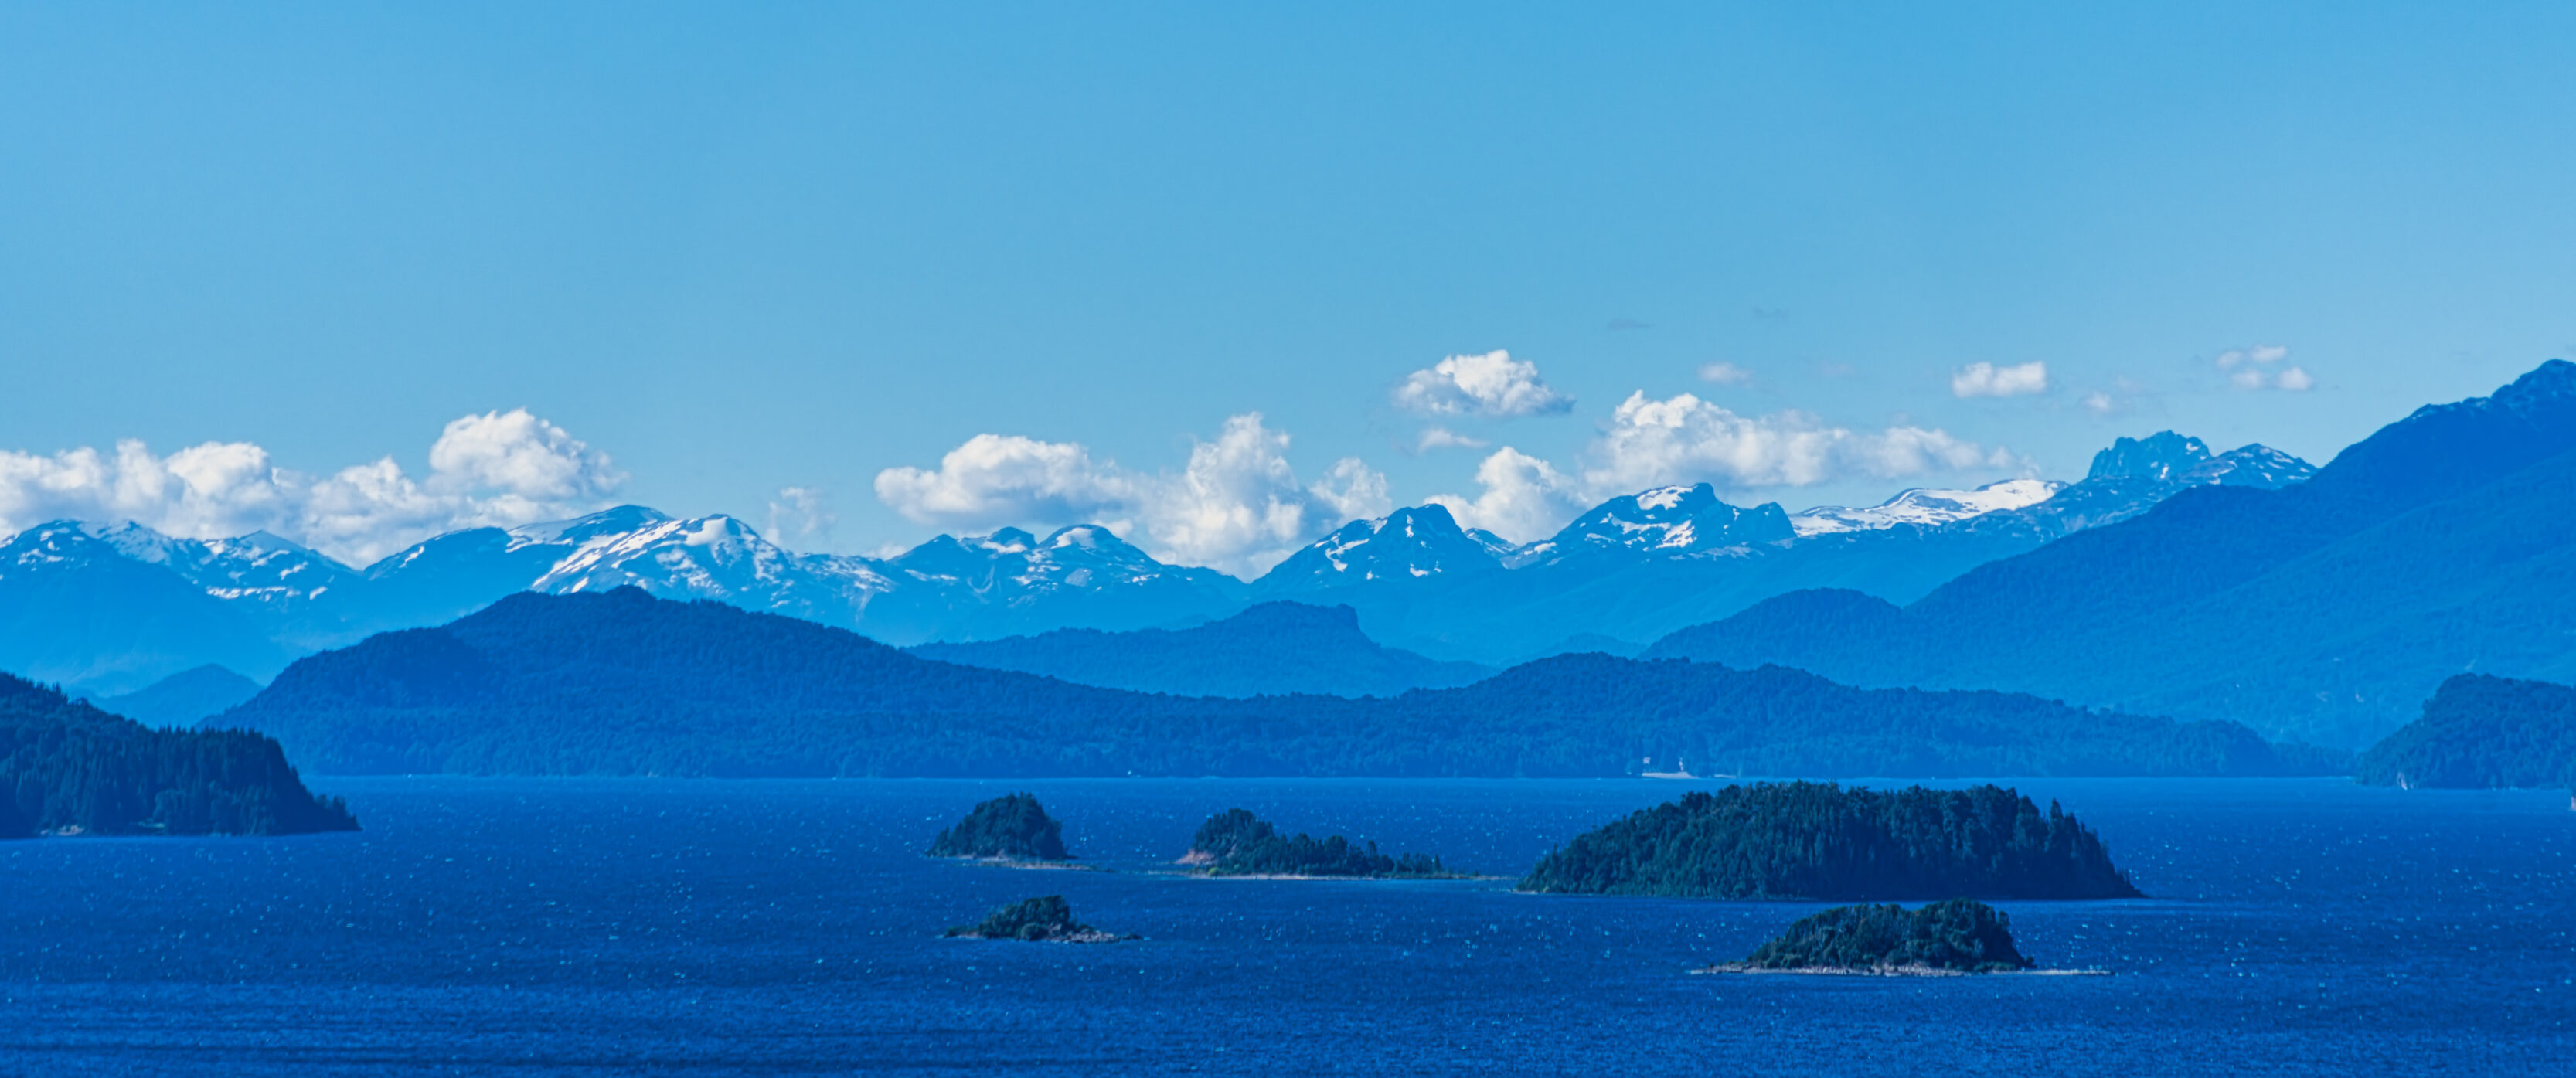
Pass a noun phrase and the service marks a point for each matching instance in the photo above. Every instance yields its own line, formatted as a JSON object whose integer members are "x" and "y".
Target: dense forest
{"x": 2480, "y": 731}
{"x": 1235, "y": 843}
{"x": 623, "y": 683}
{"x": 1010, "y": 826}
{"x": 67, "y": 767}
{"x": 1961, "y": 935}
{"x": 1813, "y": 840}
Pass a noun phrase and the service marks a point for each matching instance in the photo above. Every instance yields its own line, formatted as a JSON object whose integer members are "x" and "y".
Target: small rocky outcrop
{"x": 1014, "y": 827}
{"x": 1035, "y": 920}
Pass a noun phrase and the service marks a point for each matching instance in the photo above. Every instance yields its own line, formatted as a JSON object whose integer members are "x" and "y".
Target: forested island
{"x": 1236, "y": 843}
{"x": 1815, "y": 840}
{"x": 1012, "y": 827}
{"x": 69, "y": 768}
{"x": 1035, "y": 920}
{"x": 1961, "y": 935}
{"x": 2482, "y": 732}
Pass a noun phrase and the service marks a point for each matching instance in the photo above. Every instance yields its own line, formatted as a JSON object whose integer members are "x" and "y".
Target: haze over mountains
{"x": 623, "y": 683}
{"x": 111, "y": 608}
{"x": 2445, "y": 543}
{"x": 1276, "y": 648}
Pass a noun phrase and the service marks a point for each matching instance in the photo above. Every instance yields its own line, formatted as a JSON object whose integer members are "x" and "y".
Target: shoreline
{"x": 1030, "y": 864}
{"x": 1364, "y": 879}
{"x": 1745, "y": 969}
{"x": 1088, "y": 935}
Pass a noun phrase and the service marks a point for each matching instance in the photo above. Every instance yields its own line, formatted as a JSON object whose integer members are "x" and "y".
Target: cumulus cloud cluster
{"x": 1523, "y": 498}
{"x": 1492, "y": 385}
{"x": 2258, "y": 368}
{"x": 1683, "y": 439}
{"x": 1988, "y": 380}
{"x": 496, "y": 469}
{"x": 1237, "y": 506}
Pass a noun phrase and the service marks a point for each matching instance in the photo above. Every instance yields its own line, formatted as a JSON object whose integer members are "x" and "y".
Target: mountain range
{"x": 2325, "y": 611}
{"x": 111, "y": 608}
{"x": 624, "y": 683}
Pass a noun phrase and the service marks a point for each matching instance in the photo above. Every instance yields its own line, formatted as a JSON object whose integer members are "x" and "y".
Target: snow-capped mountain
{"x": 1410, "y": 544}
{"x": 78, "y": 610}
{"x": 714, "y": 557}
{"x": 1627, "y": 570}
{"x": 257, "y": 566}
{"x": 1663, "y": 521}
{"x": 2135, "y": 475}
{"x": 1926, "y": 508}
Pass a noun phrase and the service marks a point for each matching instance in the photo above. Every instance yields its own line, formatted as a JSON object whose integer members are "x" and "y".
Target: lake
{"x": 567, "y": 926}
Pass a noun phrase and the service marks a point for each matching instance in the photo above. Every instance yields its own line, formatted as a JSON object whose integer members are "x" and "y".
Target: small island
{"x": 1959, "y": 936}
{"x": 1009, "y": 828}
{"x": 1236, "y": 843}
{"x": 1818, "y": 841}
{"x": 1035, "y": 920}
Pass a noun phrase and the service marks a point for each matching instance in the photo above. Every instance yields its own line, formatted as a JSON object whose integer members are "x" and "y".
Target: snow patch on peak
{"x": 1926, "y": 507}
{"x": 1661, "y": 497}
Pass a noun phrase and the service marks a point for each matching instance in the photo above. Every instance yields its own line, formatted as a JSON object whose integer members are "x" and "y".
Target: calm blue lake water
{"x": 606, "y": 927}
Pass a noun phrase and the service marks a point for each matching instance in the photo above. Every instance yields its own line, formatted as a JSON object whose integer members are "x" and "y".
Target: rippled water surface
{"x": 605, "y": 927}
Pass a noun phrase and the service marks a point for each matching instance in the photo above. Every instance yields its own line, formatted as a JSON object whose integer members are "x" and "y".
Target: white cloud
{"x": 2100, "y": 403}
{"x": 1685, "y": 439}
{"x": 994, "y": 479}
{"x": 2259, "y": 354}
{"x": 2253, "y": 369}
{"x": 1724, "y": 374}
{"x": 1236, "y": 506}
{"x": 1493, "y": 385}
{"x": 1988, "y": 380}
{"x": 496, "y": 469}
{"x": 1444, "y": 438}
{"x": 801, "y": 515}
{"x": 1524, "y": 498}
{"x": 1352, "y": 490}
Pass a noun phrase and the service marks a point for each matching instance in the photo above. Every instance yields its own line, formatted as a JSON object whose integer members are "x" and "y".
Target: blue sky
{"x": 734, "y": 251}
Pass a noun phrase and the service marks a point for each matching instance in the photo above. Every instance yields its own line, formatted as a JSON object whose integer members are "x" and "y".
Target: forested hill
{"x": 2482, "y": 732}
{"x": 66, "y": 766}
{"x": 1274, "y": 648}
{"x": 623, "y": 683}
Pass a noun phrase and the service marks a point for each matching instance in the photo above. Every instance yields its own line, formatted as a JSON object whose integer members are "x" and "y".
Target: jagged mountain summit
{"x": 2323, "y": 610}
{"x": 1638, "y": 567}
{"x": 1665, "y": 521}
{"x": 1407, "y": 545}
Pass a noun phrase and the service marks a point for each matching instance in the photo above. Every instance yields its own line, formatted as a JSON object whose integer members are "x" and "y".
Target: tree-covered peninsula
{"x": 1958, "y": 936}
{"x": 69, "y": 768}
{"x": 2482, "y": 732}
{"x": 1236, "y": 843}
{"x": 1013, "y": 827}
{"x": 1035, "y": 920}
{"x": 1812, "y": 840}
